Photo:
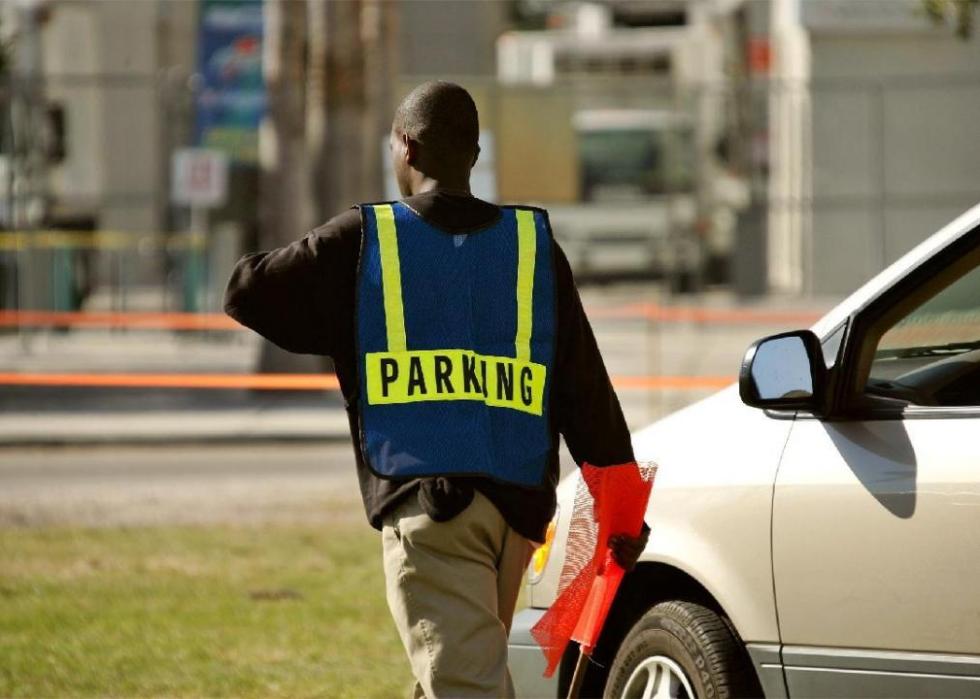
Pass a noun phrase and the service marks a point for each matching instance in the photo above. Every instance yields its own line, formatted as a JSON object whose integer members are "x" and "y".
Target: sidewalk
{"x": 235, "y": 425}
{"x": 52, "y": 415}
{"x": 641, "y": 334}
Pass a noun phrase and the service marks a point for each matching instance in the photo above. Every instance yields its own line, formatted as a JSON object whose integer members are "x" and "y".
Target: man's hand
{"x": 627, "y": 549}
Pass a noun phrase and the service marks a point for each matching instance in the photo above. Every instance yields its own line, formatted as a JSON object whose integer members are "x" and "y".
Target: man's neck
{"x": 431, "y": 184}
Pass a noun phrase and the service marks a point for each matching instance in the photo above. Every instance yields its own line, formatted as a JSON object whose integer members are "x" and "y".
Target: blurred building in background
{"x": 787, "y": 145}
{"x": 873, "y": 137}
{"x": 98, "y": 97}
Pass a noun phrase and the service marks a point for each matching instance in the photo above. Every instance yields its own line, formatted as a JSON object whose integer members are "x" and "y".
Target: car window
{"x": 931, "y": 355}
{"x": 830, "y": 346}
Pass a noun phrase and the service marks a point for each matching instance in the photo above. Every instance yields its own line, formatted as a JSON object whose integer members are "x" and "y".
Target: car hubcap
{"x": 658, "y": 678}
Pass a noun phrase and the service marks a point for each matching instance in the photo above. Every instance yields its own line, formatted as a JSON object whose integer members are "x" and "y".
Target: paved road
{"x": 181, "y": 484}
{"x": 186, "y": 484}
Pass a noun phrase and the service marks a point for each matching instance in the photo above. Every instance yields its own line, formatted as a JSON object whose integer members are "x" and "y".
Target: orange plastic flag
{"x": 610, "y": 500}
{"x": 596, "y": 609}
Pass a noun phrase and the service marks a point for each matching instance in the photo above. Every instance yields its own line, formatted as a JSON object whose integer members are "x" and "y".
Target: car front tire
{"x": 681, "y": 649}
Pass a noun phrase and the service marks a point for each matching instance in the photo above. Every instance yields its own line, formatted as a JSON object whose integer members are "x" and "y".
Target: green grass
{"x": 291, "y": 611}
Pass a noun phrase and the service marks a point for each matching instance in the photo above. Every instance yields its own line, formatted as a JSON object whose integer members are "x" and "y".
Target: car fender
{"x": 711, "y": 507}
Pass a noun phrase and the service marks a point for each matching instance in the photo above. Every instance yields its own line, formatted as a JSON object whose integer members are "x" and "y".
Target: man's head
{"x": 434, "y": 137}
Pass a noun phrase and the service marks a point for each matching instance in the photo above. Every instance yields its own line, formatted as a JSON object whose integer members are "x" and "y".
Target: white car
{"x": 816, "y": 527}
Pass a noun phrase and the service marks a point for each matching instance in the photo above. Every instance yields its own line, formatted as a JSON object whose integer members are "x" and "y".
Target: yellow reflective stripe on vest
{"x": 526, "y": 245}
{"x": 454, "y": 374}
{"x": 391, "y": 277}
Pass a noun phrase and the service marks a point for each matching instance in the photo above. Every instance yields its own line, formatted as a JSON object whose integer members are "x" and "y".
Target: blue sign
{"x": 232, "y": 100}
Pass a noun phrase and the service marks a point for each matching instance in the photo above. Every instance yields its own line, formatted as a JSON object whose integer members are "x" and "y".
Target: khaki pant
{"x": 452, "y": 587}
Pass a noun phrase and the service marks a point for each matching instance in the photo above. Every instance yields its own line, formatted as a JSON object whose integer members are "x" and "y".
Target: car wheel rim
{"x": 658, "y": 677}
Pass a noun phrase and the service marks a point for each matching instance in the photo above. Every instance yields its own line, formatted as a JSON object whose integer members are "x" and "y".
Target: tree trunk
{"x": 328, "y": 69}
{"x": 358, "y": 81}
{"x": 285, "y": 212}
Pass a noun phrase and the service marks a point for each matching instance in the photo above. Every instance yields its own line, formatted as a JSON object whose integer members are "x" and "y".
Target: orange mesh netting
{"x": 609, "y": 500}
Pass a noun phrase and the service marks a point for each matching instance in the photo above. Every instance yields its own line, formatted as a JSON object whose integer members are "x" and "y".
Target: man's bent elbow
{"x": 240, "y": 293}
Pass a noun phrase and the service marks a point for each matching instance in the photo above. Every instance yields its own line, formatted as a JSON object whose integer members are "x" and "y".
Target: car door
{"x": 876, "y": 512}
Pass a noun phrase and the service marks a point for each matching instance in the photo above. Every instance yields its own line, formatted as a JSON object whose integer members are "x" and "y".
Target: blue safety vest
{"x": 455, "y": 345}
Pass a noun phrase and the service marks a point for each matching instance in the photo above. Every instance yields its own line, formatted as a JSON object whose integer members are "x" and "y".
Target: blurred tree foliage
{"x": 959, "y": 11}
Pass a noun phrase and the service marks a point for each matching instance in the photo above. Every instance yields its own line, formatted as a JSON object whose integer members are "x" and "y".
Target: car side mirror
{"x": 784, "y": 371}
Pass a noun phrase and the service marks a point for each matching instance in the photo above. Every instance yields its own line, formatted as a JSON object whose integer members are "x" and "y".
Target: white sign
{"x": 200, "y": 177}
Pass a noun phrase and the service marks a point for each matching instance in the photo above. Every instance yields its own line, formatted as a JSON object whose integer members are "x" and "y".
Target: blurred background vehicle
{"x": 638, "y": 202}
{"x": 645, "y": 190}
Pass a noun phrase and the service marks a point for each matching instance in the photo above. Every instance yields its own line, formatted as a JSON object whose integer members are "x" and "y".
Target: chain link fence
{"x": 813, "y": 188}
{"x": 87, "y": 217}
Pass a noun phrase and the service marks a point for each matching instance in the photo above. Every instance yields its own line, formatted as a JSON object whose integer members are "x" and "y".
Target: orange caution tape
{"x": 697, "y": 314}
{"x": 219, "y": 321}
{"x": 300, "y": 382}
{"x": 110, "y": 319}
{"x": 653, "y": 383}
{"x": 272, "y": 382}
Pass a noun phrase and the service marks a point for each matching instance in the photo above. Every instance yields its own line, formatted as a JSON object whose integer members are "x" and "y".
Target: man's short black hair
{"x": 442, "y": 117}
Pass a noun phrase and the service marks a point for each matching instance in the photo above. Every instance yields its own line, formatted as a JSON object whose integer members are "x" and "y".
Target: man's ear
{"x": 476, "y": 155}
{"x": 411, "y": 149}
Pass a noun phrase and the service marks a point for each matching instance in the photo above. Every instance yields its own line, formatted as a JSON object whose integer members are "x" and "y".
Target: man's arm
{"x": 588, "y": 411}
{"x": 589, "y": 415}
{"x": 301, "y": 297}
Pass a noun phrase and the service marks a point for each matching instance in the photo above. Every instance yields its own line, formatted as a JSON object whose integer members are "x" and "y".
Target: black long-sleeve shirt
{"x": 301, "y": 297}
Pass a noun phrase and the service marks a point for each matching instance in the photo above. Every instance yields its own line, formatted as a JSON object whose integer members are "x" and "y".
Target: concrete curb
{"x": 193, "y": 426}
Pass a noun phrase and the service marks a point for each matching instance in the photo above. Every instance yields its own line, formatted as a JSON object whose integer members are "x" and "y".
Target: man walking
{"x": 462, "y": 351}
